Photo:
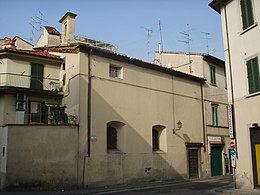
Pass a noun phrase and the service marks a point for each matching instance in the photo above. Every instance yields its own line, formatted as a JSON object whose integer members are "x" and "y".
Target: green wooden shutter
{"x": 36, "y": 76}
{"x": 212, "y": 75}
{"x": 253, "y": 75}
{"x": 250, "y": 15}
{"x": 247, "y": 13}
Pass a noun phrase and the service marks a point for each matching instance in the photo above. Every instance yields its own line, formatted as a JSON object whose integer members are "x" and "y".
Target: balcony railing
{"x": 24, "y": 81}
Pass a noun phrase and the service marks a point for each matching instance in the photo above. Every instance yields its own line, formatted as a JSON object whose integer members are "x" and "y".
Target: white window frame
{"x": 115, "y": 71}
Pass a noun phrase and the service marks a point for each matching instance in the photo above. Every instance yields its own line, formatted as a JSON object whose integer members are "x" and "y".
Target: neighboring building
{"x": 33, "y": 152}
{"x": 215, "y": 102}
{"x": 241, "y": 33}
{"x": 18, "y": 42}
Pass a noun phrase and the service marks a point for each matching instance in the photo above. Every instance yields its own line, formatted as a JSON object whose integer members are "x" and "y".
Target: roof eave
{"x": 6, "y": 52}
{"x": 212, "y": 59}
{"x": 137, "y": 62}
{"x": 217, "y": 4}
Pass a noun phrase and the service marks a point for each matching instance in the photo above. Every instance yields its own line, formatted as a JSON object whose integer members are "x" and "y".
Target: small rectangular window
{"x": 115, "y": 71}
{"x": 247, "y": 13}
{"x": 213, "y": 75}
{"x": 253, "y": 75}
{"x": 214, "y": 109}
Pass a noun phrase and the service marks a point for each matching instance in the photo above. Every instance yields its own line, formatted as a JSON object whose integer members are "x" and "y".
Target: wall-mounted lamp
{"x": 255, "y": 125}
{"x": 179, "y": 125}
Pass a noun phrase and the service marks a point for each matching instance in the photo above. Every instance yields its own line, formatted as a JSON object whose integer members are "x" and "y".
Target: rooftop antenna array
{"x": 149, "y": 32}
{"x": 186, "y": 39}
{"x": 37, "y": 25}
{"x": 207, "y": 40}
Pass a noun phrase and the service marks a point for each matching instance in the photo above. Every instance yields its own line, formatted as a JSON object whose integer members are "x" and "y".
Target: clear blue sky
{"x": 122, "y": 23}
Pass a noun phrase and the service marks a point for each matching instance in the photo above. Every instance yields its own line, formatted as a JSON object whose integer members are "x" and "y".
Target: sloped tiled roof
{"x": 31, "y": 52}
{"x": 52, "y": 30}
{"x": 62, "y": 49}
{"x": 38, "y": 53}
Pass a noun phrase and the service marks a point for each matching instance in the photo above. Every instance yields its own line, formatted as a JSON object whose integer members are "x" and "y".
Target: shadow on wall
{"x": 137, "y": 153}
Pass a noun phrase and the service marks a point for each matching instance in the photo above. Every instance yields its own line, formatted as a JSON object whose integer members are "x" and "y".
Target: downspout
{"x": 89, "y": 99}
{"x": 231, "y": 79}
{"x": 232, "y": 93}
{"x": 203, "y": 117}
{"x": 89, "y": 115}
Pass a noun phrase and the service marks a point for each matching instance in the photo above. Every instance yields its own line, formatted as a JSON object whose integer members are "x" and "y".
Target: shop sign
{"x": 215, "y": 140}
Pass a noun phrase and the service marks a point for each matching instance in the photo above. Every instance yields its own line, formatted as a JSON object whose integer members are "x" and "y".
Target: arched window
{"x": 111, "y": 138}
{"x": 115, "y": 136}
{"x": 159, "y": 138}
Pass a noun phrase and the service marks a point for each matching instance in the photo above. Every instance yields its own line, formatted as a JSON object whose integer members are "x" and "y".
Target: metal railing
{"x": 24, "y": 81}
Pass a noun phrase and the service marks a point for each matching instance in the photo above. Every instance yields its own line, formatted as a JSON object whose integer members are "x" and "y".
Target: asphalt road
{"x": 194, "y": 187}
{"x": 203, "y": 186}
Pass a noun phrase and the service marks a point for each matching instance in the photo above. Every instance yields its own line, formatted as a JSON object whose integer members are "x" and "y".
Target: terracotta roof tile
{"x": 38, "y": 53}
{"x": 62, "y": 49}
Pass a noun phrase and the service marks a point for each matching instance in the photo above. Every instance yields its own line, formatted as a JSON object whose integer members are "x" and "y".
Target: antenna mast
{"x": 36, "y": 24}
{"x": 161, "y": 39}
{"x": 187, "y": 40}
{"x": 207, "y": 40}
{"x": 149, "y": 32}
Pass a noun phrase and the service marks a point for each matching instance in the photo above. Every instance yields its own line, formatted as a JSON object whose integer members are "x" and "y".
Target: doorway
{"x": 255, "y": 151}
{"x": 193, "y": 163}
{"x": 216, "y": 161}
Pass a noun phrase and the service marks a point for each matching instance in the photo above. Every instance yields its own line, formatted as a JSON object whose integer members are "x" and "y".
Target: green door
{"x": 216, "y": 161}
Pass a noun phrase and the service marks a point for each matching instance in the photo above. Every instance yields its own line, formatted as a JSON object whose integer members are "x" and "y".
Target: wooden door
{"x": 193, "y": 163}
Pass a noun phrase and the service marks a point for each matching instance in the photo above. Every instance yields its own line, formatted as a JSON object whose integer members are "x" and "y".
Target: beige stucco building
{"x": 135, "y": 121}
{"x": 240, "y": 20}
{"x": 214, "y": 102}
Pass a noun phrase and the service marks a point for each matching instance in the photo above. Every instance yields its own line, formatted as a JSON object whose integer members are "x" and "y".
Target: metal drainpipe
{"x": 89, "y": 99}
{"x": 89, "y": 114}
{"x": 203, "y": 116}
{"x": 231, "y": 78}
{"x": 232, "y": 92}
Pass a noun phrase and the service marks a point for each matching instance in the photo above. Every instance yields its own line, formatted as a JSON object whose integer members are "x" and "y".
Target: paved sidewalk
{"x": 229, "y": 189}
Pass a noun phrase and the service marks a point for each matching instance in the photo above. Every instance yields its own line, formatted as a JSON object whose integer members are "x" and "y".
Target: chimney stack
{"x": 68, "y": 27}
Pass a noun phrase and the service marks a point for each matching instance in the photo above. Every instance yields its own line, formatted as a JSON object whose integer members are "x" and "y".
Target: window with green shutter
{"x": 36, "y": 76}
{"x": 213, "y": 75}
{"x": 247, "y": 13}
{"x": 214, "y": 109}
{"x": 253, "y": 75}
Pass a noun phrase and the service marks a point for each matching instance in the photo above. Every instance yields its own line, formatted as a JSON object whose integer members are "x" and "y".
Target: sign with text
{"x": 215, "y": 140}
{"x": 230, "y": 121}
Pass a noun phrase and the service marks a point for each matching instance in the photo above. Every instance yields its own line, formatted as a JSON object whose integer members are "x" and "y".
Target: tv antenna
{"x": 149, "y": 32}
{"x": 36, "y": 24}
{"x": 161, "y": 39}
{"x": 214, "y": 52}
{"x": 41, "y": 20}
{"x": 207, "y": 40}
{"x": 186, "y": 39}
